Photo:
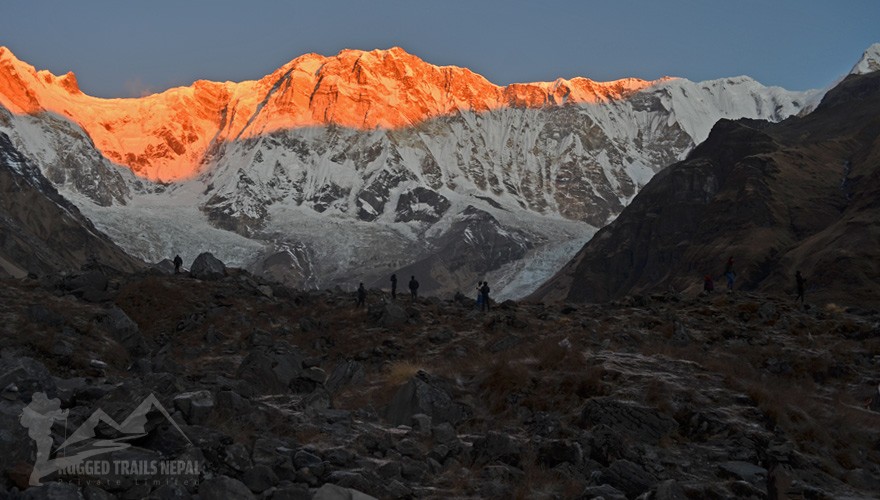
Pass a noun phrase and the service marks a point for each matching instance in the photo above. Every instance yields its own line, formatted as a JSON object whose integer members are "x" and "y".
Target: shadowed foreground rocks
{"x": 280, "y": 394}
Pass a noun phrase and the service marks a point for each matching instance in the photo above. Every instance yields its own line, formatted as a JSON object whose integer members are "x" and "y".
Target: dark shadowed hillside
{"x": 285, "y": 394}
{"x": 40, "y": 231}
{"x": 797, "y": 195}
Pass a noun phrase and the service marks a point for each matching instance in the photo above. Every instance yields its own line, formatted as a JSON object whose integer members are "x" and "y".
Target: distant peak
{"x": 869, "y": 62}
{"x": 68, "y": 81}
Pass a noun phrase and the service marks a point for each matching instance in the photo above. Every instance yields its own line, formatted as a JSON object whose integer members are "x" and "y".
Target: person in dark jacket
{"x": 708, "y": 284}
{"x": 484, "y": 295}
{"x": 361, "y": 295}
{"x": 730, "y": 274}
{"x": 800, "y": 283}
{"x": 414, "y": 288}
{"x": 393, "y": 286}
{"x": 177, "y": 263}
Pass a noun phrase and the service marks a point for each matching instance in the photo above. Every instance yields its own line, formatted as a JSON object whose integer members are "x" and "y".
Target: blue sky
{"x": 123, "y": 48}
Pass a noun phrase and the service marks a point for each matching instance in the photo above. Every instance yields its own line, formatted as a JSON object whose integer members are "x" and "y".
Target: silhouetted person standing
{"x": 414, "y": 288}
{"x": 361, "y": 295}
{"x": 800, "y": 286}
{"x": 730, "y": 274}
{"x": 393, "y": 286}
{"x": 177, "y": 263}
{"x": 708, "y": 284}
{"x": 480, "y": 295}
{"x": 484, "y": 294}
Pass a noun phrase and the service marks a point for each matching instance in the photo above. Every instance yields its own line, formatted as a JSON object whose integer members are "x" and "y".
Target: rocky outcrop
{"x": 207, "y": 267}
{"x": 797, "y": 195}
{"x": 636, "y": 422}
{"x": 425, "y": 395}
{"x": 42, "y": 232}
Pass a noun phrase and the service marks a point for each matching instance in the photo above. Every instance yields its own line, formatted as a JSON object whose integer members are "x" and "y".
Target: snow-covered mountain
{"x": 334, "y": 170}
{"x": 870, "y": 61}
{"x": 42, "y": 232}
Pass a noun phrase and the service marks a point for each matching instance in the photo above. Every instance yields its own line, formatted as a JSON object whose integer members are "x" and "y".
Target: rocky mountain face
{"x": 276, "y": 393}
{"x": 40, "y": 231}
{"x": 334, "y": 170}
{"x": 166, "y": 136}
{"x": 798, "y": 195}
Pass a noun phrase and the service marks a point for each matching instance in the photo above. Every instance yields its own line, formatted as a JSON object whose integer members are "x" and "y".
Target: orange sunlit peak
{"x": 165, "y": 136}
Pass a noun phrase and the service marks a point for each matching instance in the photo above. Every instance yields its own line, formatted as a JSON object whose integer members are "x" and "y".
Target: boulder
{"x": 409, "y": 448}
{"x": 224, "y": 488}
{"x": 423, "y": 394}
{"x": 628, "y": 477}
{"x": 94, "y": 281}
{"x": 344, "y": 374}
{"x": 606, "y": 444}
{"x": 669, "y": 490}
{"x": 444, "y": 433}
{"x": 304, "y": 459}
{"x": 195, "y": 406}
{"x": 292, "y": 492}
{"x": 236, "y": 456}
{"x": 558, "y": 451}
{"x": 387, "y": 314}
{"x": 91, "y": 492}
{"x": 745, "y": 471}
{"x": 164, "y": 266}
{"x": 421, "y": 423}
{"x": 24, "y": 376}
{"x": 334, "y": 492}
{"x": 271, "y": 372}
{"x": 441, "y": 337}
{"x": 53, "y": 491}
{"x": 259, "y": 478}
{"x": 639, "y": 422}
{"x": 207, "y": 267}
{"x": 605, "y": 492}
{"x": 124, "y": 330}
{"x": 496, "y": 446}
{"x": 269, "y": 451}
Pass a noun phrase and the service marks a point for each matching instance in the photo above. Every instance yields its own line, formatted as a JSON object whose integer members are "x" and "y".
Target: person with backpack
{"x": 730, "y": 274}
{"x": 361, "y": 296}
{"x": 484, "y": 295}
{"x": 708, "y": 284}
{"x": 414, "y": 288}
{"x": 393, "y": 286}
{"x": 479, "y": 295}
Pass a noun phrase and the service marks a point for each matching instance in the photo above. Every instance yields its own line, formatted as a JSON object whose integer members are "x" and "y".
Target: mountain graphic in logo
{"x": 42, "y": 413}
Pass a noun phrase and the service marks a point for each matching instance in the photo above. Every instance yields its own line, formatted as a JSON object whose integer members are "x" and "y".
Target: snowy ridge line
{"x": 537, "y": 181}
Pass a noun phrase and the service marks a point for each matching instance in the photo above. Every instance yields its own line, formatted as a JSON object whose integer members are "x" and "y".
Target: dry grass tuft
{"x": 540, "y": 482}
{"x": 505, "y": 381}
{"x": 399, "y": 372}
{"x": 834, "y": 309}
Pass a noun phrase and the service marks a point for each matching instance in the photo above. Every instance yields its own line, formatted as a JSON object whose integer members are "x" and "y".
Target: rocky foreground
{"x": 283, "y": 394}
